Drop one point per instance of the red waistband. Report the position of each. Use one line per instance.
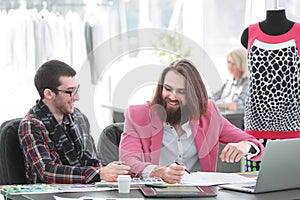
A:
(274, 134)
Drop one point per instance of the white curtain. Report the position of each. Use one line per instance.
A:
(255, 11)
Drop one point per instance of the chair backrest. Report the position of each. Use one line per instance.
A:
(108, 143)
(12, 170)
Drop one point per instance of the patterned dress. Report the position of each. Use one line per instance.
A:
(272, 109)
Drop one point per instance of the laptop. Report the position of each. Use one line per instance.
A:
(280, 169)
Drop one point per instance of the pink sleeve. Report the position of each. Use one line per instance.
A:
(131, 145)
(230, 133)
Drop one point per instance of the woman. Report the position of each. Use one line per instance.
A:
(233, 93)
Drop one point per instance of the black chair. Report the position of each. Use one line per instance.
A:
(12, 170)
(108, 143)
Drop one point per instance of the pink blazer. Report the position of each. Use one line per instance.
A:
(141, 141)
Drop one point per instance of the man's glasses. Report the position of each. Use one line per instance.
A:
(71, 93)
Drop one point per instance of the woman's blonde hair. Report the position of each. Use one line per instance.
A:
(239, 57)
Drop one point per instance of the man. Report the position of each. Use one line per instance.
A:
(55, 136)
(180, 126)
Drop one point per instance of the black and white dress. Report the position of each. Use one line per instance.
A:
(272, 107)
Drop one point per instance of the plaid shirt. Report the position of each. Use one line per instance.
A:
(42, 162)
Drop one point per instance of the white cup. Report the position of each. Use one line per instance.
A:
(124, 183)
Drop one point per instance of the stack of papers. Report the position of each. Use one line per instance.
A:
(214, 178)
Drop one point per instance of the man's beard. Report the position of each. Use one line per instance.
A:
(177, 116)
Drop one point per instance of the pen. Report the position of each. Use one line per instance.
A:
(185, 169)
(130, 171)
(134, 174)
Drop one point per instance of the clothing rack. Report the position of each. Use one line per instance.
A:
(39, 5)
(109, 3)
(7, 5)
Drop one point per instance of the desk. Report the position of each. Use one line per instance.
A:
(222, 194)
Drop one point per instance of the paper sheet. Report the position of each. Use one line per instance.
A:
(214, 178)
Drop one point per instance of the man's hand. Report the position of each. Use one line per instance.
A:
(171, 174)
(233, 152)
(111, 171)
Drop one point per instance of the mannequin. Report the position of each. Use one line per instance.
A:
(275, 23)
(273, 58)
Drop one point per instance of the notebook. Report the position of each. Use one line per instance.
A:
(176, 191)
(279, 170)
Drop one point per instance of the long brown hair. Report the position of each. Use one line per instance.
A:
(196, 95)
